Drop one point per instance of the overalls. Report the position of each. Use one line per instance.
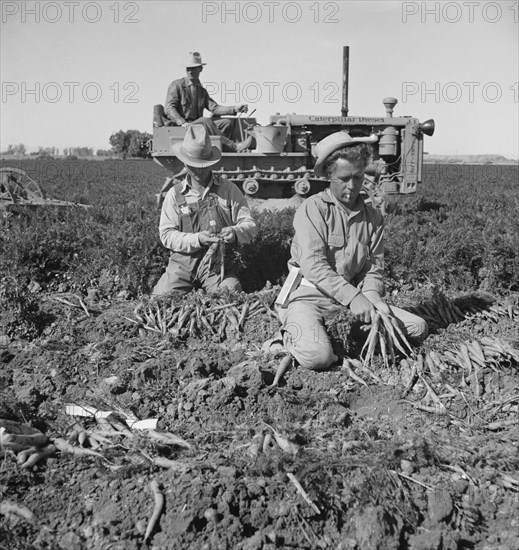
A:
(184, 271)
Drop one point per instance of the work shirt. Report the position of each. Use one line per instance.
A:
(341, 253)
(186, 101)
(233, 207)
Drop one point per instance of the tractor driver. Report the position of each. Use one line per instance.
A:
(187, 99)
(202, 210)
(338, 247)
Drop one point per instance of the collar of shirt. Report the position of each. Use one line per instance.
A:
(358, 207)
(188, 187)
(188, 83)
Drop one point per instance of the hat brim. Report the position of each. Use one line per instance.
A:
(178, 150)
(328, 150)
(195, 65)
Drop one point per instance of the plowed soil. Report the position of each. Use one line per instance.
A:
(355, 466)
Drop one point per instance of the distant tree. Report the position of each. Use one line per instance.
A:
(130, 143)
(78, 151)
(120, 142)
(15, 150)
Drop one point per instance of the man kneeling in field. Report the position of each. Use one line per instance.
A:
(199, 216)
(338, 248)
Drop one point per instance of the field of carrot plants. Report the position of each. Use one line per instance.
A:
(128, 423)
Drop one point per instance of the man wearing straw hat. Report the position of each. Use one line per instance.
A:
(202, 210)
(337, 257)
(187, 99)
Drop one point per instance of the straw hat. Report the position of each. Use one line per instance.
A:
(196, 149)
(194, 59)
(331, 143)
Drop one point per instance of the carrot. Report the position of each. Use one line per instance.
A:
(412, 380)
(82, 437)
(221, 329)
(430, 409)
(397, 329)
(65, 447)
(352, 375)
(267, 441)
(419, 365)
(479, 352)
(477, 385)
(175, 465)
(160, 320)
(360, 365)
(474, 355)
(286, 364)
(432, 394)
(8, 508)
(38, 455)
(464, 354)
(391, 349)
(168, 438)
(284, 444)
(383, 348)
(371, 335)
(430, 364)
(173, 319)
(388, 325)
(184, 317)
(192, 324)
(436, 360)
(232, 319)
(22, 456)
(20, 441)
(243, 316)
(119, 426)
(157, 509)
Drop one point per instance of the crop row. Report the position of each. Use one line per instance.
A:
(462, 235)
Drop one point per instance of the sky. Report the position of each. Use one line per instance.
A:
(74, 72)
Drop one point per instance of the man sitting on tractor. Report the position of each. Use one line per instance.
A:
(187, 99)
(200, 215)
(338, 255)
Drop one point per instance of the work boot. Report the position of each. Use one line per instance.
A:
(236, 146)
(243, 145)
(228, 145)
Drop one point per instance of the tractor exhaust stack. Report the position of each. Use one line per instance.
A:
(345, 76)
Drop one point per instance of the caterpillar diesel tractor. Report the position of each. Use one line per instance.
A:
(281, 163)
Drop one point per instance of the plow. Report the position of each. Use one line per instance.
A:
(19, 190)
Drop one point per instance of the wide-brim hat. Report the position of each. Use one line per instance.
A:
(331, 143)
(194, 59)
(196, 149)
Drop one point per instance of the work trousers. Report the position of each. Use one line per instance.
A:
(304, 334)
(218, 127)
(179, 278)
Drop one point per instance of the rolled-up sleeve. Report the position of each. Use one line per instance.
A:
(170, 236)
(309, 252)
(244, 225)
